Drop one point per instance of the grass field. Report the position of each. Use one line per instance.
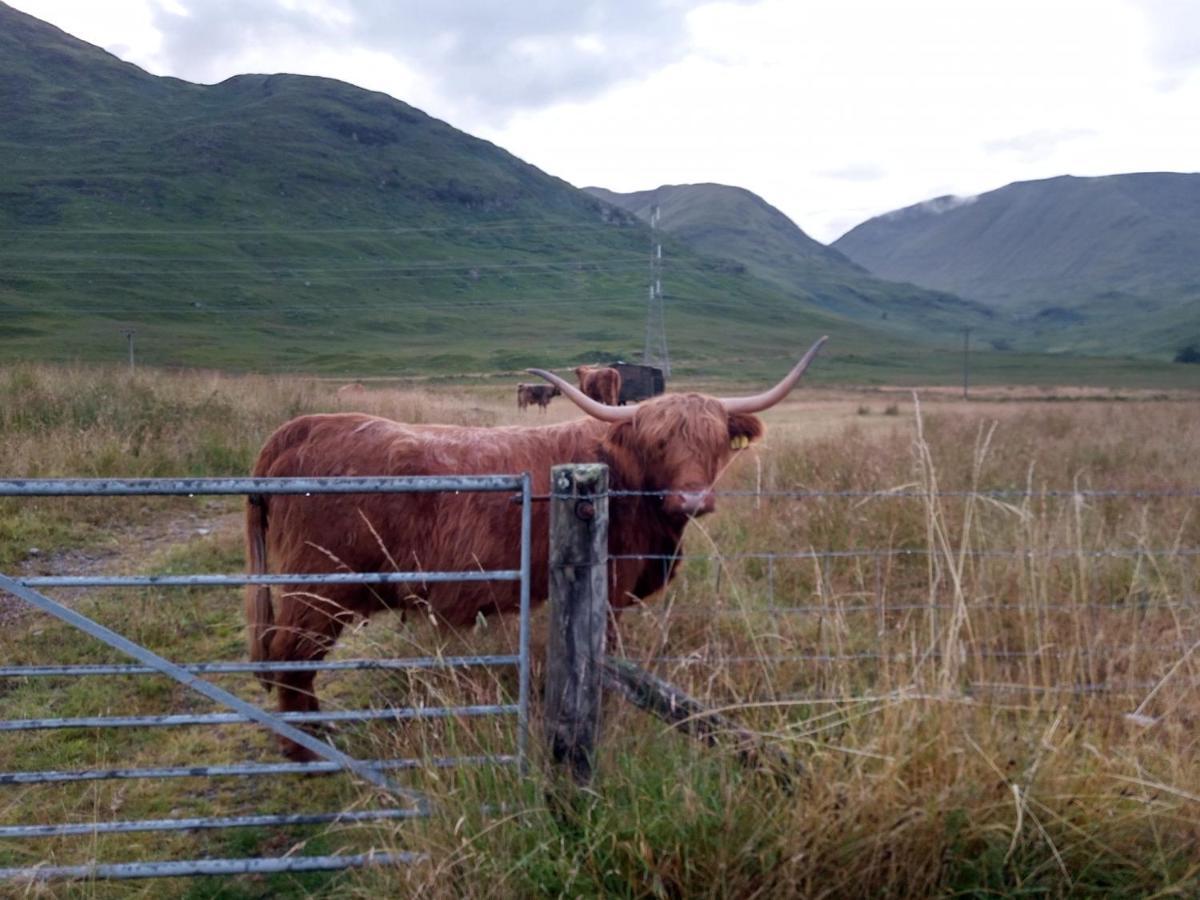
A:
(959, 689)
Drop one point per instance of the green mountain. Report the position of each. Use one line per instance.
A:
(1100, 265)
(281, 222)
(731, 222)
(289, 222)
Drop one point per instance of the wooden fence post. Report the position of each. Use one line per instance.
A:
(578, 613)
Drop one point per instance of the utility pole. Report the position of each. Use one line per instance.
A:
(129, 333)
(655, 352)
(966, 361)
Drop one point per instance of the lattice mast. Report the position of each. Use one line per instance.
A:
(655, 352)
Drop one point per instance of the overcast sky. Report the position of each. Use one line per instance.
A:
(832, 110)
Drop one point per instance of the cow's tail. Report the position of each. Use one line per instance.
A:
(260, 615)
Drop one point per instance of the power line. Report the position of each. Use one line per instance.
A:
(392, 270)
(533, 224)
(407, 305)
(655, 352)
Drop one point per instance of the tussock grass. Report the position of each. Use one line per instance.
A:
(960, 696)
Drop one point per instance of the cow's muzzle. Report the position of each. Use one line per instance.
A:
(690, 503)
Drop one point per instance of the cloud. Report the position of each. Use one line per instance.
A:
(862, 171)
(1034, 145)
(1174, 27)
(490, 58)
(934, 207)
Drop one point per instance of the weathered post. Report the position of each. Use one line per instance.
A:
(578, 613)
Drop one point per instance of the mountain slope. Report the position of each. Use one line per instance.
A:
(290, 222)
(281, 222)
(1110, 264)
(731, 222)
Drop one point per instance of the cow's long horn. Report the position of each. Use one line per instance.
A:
(593, 408)
(770, 397)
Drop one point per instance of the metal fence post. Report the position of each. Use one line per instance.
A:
(578, 613)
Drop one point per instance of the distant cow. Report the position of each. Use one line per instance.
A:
(537, 394)
(665, 455)
(600, 383)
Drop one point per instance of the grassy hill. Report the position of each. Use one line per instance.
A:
(290, 223)
(1083, 264)
(731, 222)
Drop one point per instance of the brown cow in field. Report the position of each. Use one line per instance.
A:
(537, 394)
(672, 447)
(600, 383)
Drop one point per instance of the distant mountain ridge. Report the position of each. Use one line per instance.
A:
(736, 224)
(291, 223)
(1105, 264)
(285, 221)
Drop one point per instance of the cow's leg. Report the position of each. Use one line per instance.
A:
(306, 629)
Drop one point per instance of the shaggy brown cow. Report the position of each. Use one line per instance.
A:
(672, 447)
(600, 383)
(537, 394)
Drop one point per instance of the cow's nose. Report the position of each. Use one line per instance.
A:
(696, 503)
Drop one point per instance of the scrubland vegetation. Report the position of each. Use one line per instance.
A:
(992, 694)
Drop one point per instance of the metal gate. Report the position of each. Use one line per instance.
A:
(373, 771)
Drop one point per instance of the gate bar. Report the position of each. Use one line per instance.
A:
(226, 580)
(117, 487)
(223, 668)
(523, 627)
(125, 827)
(220, 695)
(397, 714)
(246, 769)
(190, 867)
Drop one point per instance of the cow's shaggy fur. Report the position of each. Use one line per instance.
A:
(600, 383)
(676, 445)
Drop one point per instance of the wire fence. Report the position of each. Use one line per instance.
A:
(1091, 608)
(987, 618)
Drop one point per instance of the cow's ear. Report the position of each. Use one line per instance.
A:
(743, 430)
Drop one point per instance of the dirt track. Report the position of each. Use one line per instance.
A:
(125, 552)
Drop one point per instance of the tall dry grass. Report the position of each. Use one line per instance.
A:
(991, 694)
(97, 422)
(999, 699)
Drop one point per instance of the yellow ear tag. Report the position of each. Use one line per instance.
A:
(740, 442)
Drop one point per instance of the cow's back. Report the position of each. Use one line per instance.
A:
(441, 531)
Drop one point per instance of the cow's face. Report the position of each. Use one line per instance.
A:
(677, 446)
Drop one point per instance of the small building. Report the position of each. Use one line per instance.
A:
(639, 382)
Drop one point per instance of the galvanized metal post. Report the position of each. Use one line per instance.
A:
(578, 614)
(523, 626)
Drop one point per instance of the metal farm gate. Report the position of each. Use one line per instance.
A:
(373, 771)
